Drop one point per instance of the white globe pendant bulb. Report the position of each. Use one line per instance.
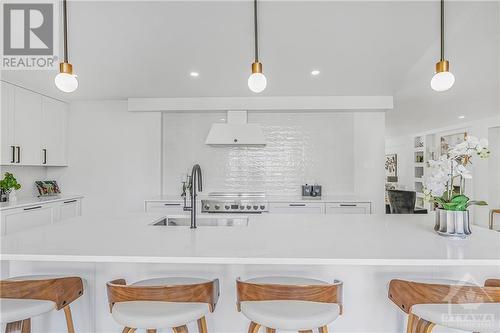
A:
(442, 81)
(257, 82)
(66, 82)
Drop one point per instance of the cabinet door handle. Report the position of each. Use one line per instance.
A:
(296, 205)
(31, 208)
(18, 154)
(44, 156)
(69, 201)
(348, 205)
(13, 154)
(172, 204)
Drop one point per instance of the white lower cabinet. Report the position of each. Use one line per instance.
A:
(69, 209)
(348, 208)
(14, 220)
(297, 207)
(167, 207)
(19, 219)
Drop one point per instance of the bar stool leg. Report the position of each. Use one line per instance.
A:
(270, 330)
(151, 331)
(253, 328)
(306, 331)
(129, 330)
(69, 319)
(202, 325)
(181, 329)
(423, 326)
(26, 326)
(411, 322)
(323, 329)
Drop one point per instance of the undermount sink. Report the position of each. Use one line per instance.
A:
(203, 222)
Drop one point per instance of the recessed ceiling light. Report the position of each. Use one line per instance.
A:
(461, 117)
(194, 74)
(315, 72)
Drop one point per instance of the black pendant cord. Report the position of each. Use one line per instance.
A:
(256, 33)
(65, 31)
(442, 30)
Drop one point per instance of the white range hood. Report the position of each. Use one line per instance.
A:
(235, 132)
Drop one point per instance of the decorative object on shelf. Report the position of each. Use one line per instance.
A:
(66, 81)
(8, 186)
(311, 191)
(443, 79)
(450, 141)
(47, 188)
(445, 186)
(257, 82)
(391, 167)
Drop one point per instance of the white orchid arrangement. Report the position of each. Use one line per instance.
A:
(440, 186)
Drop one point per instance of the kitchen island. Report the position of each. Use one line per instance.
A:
(364, 251)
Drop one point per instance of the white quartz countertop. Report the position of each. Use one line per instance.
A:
(31, 201)
(269, 239)
(276, 198)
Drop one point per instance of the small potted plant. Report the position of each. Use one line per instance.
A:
(7, 184)
(445, 186)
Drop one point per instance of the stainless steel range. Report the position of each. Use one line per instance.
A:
(235, 202)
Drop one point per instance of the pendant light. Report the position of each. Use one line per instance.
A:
(443, 79)
(66, 81)
(257, 82)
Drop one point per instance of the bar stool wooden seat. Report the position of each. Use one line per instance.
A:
(160, 303)
(25, 297)
(289, 303)
(455, 305)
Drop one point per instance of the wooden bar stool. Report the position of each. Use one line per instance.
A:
(465, 307)
(25, 297)
(289, 303)
(162, 303)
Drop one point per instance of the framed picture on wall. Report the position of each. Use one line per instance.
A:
(450, 141)
(391, 167)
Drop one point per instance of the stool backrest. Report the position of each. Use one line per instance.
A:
(61, 291)
(405, 294)
(324, 293)
(208, 292)
(402, 202)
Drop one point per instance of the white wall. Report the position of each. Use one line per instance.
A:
(342, 151)
(114, 157)
(403, 147)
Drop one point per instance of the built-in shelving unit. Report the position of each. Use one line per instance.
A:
(422, 152)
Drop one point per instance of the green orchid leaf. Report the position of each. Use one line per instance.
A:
(477, 203)
(459, 199)
(450, 206)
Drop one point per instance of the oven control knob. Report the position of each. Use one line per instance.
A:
(207, 206)
(262, 207)
(255, 207)
(217, 207)
(249, 207)
(226, 207)
(242, 207)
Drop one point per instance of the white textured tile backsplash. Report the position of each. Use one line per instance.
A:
(301, 147)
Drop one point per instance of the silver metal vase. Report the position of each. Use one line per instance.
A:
(452, 223)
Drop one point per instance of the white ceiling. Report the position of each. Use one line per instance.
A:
(123, 49)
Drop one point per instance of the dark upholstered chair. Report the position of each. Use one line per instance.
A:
(402, 202)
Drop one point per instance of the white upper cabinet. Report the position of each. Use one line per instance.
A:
(27, 129)
(53, 136)
(33, 128)
(7, 124)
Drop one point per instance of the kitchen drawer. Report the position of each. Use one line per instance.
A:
(69, 209)
(296, 207)
(14, 220)
(348, 208)
(171, 207)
